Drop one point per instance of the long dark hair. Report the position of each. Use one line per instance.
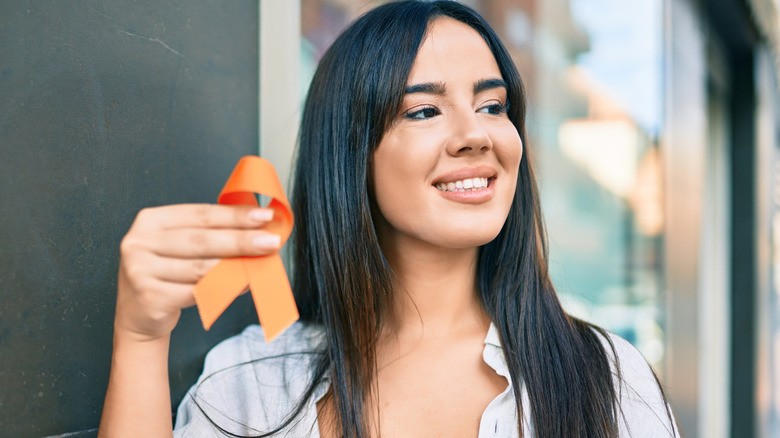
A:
(342, 279)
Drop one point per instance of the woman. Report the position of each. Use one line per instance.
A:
(420, 268)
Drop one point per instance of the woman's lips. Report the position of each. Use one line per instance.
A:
(471, 185)
(471, 195)
(466, 173)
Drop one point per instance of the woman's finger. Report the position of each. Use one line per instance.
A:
(184, 271)
(213, 243)
(203, 216)
(165, 296)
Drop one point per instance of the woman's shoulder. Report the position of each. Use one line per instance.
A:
(624, 355)
(250, 345)
(249, 385)
(642, 406)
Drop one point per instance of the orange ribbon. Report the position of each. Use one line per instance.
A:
(264, 275)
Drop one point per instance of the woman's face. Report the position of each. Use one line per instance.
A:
(446, 169)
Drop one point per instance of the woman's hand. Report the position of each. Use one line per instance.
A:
(168, 249)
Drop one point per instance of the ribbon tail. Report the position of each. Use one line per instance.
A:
(271, 293)
(218, 288)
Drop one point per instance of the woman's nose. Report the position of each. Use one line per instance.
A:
(468, 135)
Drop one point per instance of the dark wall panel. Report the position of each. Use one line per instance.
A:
(106, 107)
(743, 246)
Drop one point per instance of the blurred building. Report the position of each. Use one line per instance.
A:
(654, 129)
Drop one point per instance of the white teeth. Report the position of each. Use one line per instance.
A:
(464, 185)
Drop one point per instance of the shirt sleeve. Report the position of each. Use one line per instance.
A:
(224, 385)
(249, 387)
(642, 410)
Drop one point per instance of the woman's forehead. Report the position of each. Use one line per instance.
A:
(452, 49)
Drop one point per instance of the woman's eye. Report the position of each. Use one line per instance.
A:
(422, 113)
(494, 109)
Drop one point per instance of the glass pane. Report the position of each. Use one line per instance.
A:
(599, 117)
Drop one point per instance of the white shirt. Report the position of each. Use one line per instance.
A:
(249, 387)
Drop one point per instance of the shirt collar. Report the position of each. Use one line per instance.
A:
(493, 354)
(492, 336)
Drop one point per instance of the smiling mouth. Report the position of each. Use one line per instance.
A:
(464, 185)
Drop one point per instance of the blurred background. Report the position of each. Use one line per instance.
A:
(655, 126)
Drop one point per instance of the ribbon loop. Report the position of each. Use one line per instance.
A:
(265, 275)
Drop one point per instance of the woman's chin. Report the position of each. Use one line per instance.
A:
(466, 239)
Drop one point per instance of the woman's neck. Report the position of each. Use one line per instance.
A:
(435, 292)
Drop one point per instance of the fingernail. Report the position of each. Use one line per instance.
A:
(266, 241)
(261, 214)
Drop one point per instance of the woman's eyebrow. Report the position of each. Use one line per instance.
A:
(439, 88)
(489, 84)
(427, 88)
